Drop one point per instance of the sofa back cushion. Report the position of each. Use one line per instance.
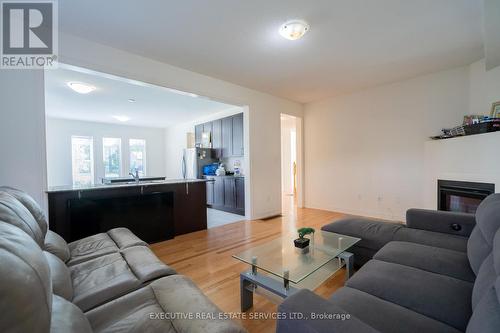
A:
(34, 208)
(13, 212)
(486, 294)
(480, 243)
(60, 276)
(25, 283)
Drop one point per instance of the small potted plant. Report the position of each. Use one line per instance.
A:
(303, 242)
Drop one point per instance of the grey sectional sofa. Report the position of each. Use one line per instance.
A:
(110, 282)
(439, 273)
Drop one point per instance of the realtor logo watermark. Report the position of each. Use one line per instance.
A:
(29, 34)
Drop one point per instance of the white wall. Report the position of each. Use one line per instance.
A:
(22, 131)
(365, 153)
(59, 132)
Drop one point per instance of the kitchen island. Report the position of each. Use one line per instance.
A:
(153, 210)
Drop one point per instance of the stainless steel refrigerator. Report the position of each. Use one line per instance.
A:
(194, 159)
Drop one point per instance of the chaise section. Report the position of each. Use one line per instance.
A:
(374, 235)
(428, 258)
(170, 304)
(386, 316)
(436, 296)
(296, 316)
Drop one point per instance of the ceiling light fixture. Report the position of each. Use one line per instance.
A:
(294, 29)
(122, 118)
(81, 88)
(131, 100)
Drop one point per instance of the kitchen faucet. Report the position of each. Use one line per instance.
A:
(136, 176)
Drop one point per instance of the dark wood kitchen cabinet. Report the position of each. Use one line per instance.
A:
(217, 134)
(228, 193)
(239, 183)
(227, 135)
(237, 135)
(198, 130)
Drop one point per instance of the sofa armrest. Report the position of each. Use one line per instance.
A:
(460, 224)
(307, 312)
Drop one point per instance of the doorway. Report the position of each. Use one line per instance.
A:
(291, 162)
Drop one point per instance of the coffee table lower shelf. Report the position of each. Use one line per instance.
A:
(251, 280)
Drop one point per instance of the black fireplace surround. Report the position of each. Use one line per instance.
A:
(459, 196)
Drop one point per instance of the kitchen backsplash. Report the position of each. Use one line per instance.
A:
(230, 163)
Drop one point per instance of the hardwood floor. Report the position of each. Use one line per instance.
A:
(205, 257)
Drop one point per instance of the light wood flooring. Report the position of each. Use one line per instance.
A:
(205, 257)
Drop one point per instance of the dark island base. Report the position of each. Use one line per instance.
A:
(154, 212)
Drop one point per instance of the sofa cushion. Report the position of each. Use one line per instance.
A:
(124, 238)
(91, 247)
(388, 317)
(101, 280)
(132, 311)
(145, 264)
(56, 245)
(25, 283)
(440, 297)
(480, 242)
(373, 233)
(485, 280)
(431, 238)
(486, 315)
(148, 310)
(428, 258)
(477, 249)
(33, 207)
(67, 318)
(60, 275)
(13, 212)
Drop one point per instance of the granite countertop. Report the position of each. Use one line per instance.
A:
(68, 188)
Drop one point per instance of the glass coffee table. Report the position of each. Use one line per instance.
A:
(281, 269)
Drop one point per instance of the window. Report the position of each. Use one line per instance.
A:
(112, 152)
(82, 155)
(138, 156)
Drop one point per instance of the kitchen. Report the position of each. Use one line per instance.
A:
(127, 153)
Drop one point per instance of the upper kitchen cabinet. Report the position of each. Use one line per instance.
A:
(217, 134)
(237, 149)
(226, 135)
(198, 130)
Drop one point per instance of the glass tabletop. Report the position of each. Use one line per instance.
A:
(280, 255)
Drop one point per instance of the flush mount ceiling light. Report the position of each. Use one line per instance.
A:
(294, 29)
(122, 118)
(131, 100)
(81, 88)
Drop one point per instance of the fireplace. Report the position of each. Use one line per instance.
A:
(458, 196)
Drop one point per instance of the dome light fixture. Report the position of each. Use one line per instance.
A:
(81, 88)
(294, 29)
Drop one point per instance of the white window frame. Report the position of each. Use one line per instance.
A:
(74, 172)
(144, 158)
(120, 165)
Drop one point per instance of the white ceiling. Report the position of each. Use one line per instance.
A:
(154, 107)
(352, 44)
